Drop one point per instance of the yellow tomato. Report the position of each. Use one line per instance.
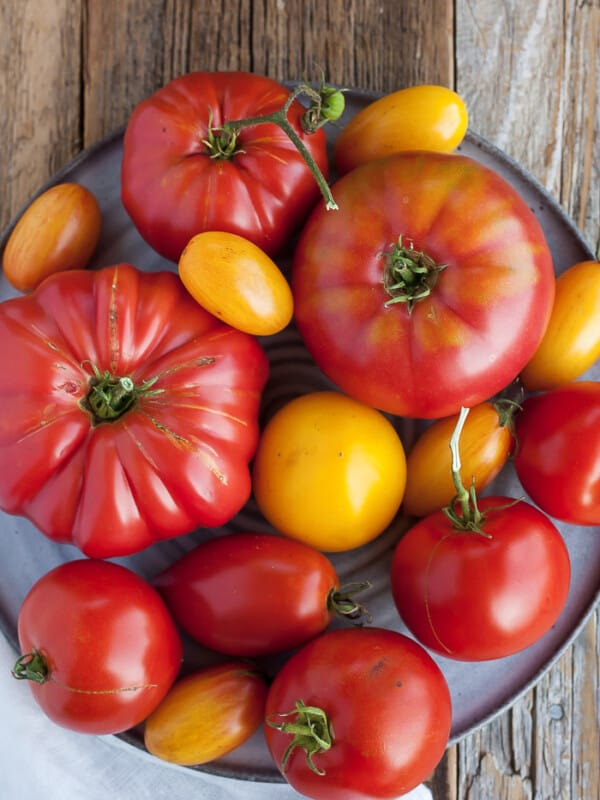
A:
(571, 343)
(485, 444)
(237, 282)
(207, 714)
(329, 471)
(425, 117)
(58, 231)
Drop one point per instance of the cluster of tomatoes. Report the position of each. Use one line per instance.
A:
(422, 286)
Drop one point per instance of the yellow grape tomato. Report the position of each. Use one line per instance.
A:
(237, 282)
(425, 117)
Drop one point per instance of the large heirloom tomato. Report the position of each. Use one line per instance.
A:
(99, 647)
(358, 713)
(179, 177)
(129, 412)
(430, 287)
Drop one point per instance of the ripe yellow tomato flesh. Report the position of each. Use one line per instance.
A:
(237, 282)
(486, 442)
(58, 231)
(426, 117)
(571, 344)
(207, 714)
(329, 471)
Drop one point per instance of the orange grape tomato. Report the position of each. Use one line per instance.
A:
(237, 282)
(485, 444)
(425, 117)
(571, 344)
(58, 231)
(207, 714)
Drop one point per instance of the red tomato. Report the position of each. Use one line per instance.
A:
(558, 457)
(253, 594)
(430, 287)
(104, 645)
(475, 596)
(379, 705)
(174, 185)
(129, 412)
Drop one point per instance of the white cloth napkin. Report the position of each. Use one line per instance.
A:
(41, 759)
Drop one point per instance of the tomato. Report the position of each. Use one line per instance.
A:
(558, 458)
(129, 413)
(207, 714)
(179, 178)
(486, 443)
(329, 471)
(358, 713)
(474, 595)
(253, 594)
(429, 289)
(571, 344)
(99, 647)
(58, 231)
(237, 282)
(424, 117)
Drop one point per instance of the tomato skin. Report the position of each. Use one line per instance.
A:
(250, 594)
(571, 343)
(329, 471)
(558, 458)
(176, 459)
(207, 714)
(473, 598)
(484, 316)
(58, 231)
(112, 649)
(486, 443)
(388, 704)
(424, 117)
(237, 282)
(171, 187)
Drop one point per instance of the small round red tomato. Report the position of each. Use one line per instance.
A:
(429, 289)
(207, 714)
(425, 117)
(558, 457)
(329, 471)
(58, 231)
(486, 443)
(100, 648)
(571, 343)
(358, 713)
(486, 592)
(253, 594)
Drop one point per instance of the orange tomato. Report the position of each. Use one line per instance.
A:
(207, 714)
(426, 117)
(571, 344)
(485, 444)
(237, 282)
(58, 231)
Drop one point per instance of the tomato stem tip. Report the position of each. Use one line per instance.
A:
(311, 731)
(31, 667)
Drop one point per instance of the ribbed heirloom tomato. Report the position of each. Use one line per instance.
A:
(430, 287)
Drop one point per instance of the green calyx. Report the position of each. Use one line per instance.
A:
(110, 396)
(342, 603)
(409, 275)
(31, 667)
(310, 730)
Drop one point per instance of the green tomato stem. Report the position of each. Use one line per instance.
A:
(110, 396)
(342, 603)
(310, 730)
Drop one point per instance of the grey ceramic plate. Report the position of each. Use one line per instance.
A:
(479, 691)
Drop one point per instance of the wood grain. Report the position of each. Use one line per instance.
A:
(72, 70)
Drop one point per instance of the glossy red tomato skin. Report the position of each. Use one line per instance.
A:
(388, 704)
(177, 459)
(470, 597)
(173, 189)
(558, 458)
(250, 594)
(112, 648)
(484, 316)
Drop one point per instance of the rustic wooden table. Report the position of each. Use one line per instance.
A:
(72, 70)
